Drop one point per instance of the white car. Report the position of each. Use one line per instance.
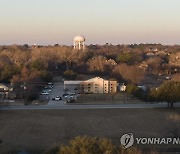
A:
(50, 83)
(44, 93)
(57, 98)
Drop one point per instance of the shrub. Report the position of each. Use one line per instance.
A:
(138, 92)
(90, 145)
(132, 89)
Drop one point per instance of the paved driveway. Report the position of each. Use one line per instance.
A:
(58, 90)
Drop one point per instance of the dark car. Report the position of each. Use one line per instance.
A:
(65, 95)
(48, 87)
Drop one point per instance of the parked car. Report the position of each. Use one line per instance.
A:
(72, 93)
(65, 95)
(168, 78)
(47, 90)
(57, 98)
(48, 87)
(44, 93)
(71, 98)
(50, 83)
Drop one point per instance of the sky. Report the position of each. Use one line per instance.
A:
(47, 22)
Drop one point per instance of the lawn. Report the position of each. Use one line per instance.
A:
(116, 98)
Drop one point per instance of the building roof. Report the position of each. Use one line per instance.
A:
(79, 82)
(72, 82)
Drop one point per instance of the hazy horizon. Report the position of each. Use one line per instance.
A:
(118, 22)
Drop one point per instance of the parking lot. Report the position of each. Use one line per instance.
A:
(57, 90)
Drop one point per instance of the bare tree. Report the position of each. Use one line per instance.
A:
(154, 64)
(97, 64)
(133, 74)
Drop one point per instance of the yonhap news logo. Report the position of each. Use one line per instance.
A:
(127, 140)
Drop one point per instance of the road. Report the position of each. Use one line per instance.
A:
(70, 106)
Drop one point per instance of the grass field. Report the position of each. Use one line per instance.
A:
(34, 130)
(117, 98)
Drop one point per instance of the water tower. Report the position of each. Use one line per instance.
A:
(79, 42)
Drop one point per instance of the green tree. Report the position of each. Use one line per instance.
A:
(46, 76)
(37, 65)
(8, 72)
(124, 57)
(169, 92)
(70, 75)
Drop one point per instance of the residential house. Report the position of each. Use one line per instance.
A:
(144, 65)
(4, 91)
(111, 62)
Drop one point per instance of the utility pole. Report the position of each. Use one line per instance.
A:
(25, 94)
(123, 89)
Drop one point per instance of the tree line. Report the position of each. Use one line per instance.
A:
(25, 63)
